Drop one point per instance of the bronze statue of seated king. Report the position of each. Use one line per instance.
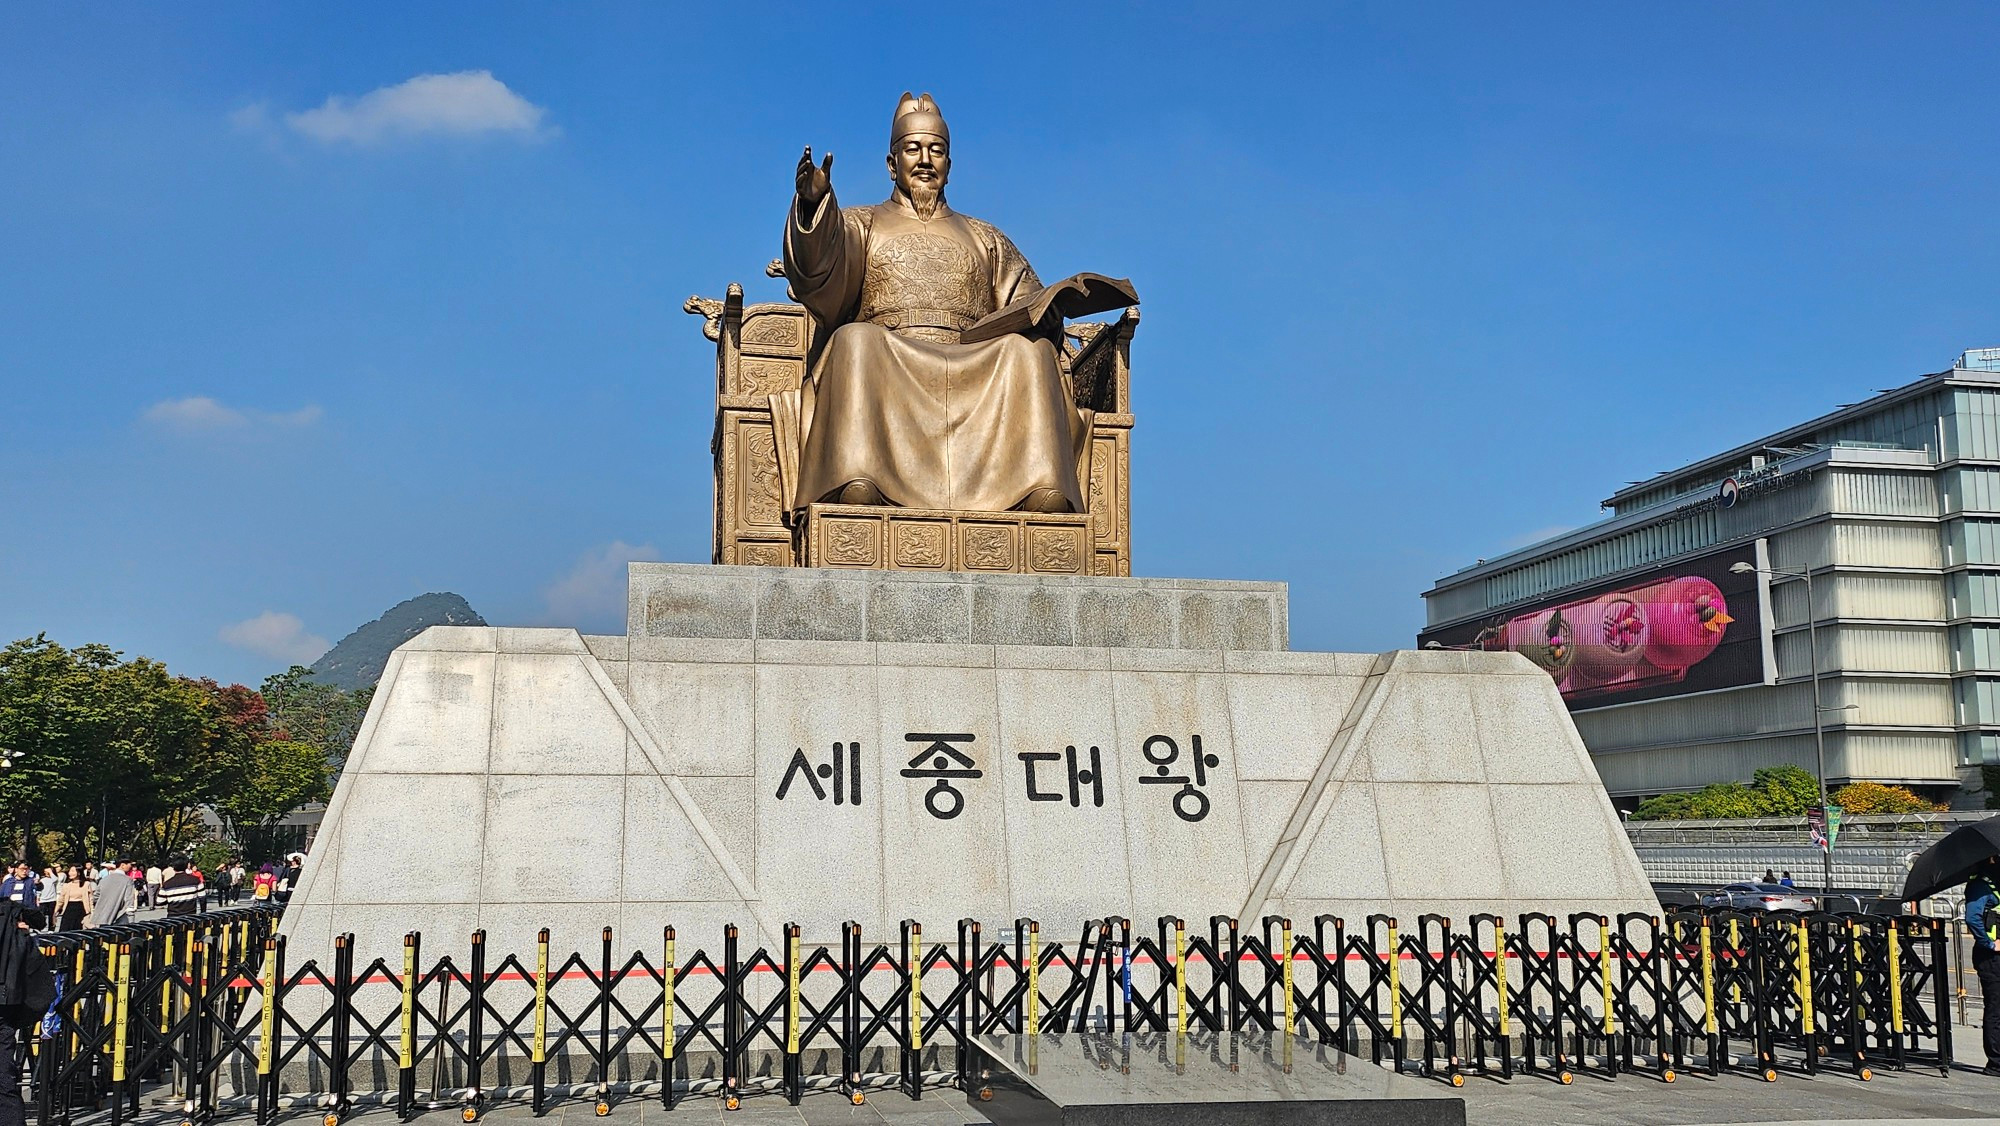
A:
(936, 381)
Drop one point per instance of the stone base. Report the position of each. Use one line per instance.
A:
(831, 604)
(880, 537)
(538, 778)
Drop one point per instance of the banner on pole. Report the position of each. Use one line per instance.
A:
(1825, 826)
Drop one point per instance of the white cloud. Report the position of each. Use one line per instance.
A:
(591, 596)
(253, 118)
(279, 636)
(468, 103)
(200, 413)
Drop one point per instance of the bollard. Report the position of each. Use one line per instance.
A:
(121, 1010)
(1180, 977)
(604, 1028)
(267, 1083)
(794, 1080)
(911, 1053)
(1285, 940)
(1395, 995)
(539, 1053)
(1805, 985)
(1604, 965)
(167, 987)
(1034, 978)
(406, 1049)
(1896, 981)
(343, 1026)
(475, 1030)
(667, 973)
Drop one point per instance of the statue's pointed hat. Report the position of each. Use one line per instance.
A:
(917, 114)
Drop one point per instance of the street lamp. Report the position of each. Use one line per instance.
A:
(1819, 728)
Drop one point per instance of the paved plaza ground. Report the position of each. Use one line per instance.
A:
(1693, 1100)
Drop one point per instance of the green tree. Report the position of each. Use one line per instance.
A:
(1676, 806)
(1774, 791)
(1785, 791)
(279, 776)
(307, 711)
(116, 755)
(1727, 799)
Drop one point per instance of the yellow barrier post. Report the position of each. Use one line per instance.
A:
(1895, 979)
(406, 1053)
(667, 1009)
(1805, 981)
(1285, 932)
(1180, 977)
(1709, 1023)
(1735, 953)
(122, 1006)
(541, 996)
(1034, 980)
(269, 1017)
(1395, 992)
(167, 986)
(1604, 970)
(1500, 972)
(792, 992)
(917, 987)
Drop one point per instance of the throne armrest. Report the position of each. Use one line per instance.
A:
(1099, 357)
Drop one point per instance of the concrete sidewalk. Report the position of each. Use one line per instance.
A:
(1905, 1098)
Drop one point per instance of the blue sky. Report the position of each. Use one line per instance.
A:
(287, 337)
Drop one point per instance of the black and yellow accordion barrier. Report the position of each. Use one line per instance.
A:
(206, 1011)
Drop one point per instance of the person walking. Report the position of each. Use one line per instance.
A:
(46, 889)
(150, 895)
(1785, 880)
(180, 888)
(1982, 918)
(74, 900)
(19, 887)
(117, 899)
(262, 886)
(288, 880)
(1770, 877)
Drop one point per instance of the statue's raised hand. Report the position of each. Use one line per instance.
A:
(814, 180)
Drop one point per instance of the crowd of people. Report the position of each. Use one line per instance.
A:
(83, 896)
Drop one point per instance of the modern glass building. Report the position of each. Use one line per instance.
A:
(1681, 670)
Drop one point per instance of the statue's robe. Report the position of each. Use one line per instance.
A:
(895, 399)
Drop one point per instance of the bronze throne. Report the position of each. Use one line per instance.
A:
(762, 352)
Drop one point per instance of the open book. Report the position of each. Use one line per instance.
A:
(1079, 295)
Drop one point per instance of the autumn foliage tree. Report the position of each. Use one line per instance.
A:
(121, 755)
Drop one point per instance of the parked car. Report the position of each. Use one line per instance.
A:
(1760, 897)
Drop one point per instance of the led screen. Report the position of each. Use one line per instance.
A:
(1692, 626)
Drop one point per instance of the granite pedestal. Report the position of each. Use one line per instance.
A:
(772, 745)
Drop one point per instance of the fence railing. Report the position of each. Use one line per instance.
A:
(211, 1005)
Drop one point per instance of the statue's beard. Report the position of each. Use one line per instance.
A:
(925, 196)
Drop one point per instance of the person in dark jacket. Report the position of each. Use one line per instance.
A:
(180, 890)
(1982, 918)
(27, 989)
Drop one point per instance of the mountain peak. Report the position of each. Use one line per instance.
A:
(358, 660)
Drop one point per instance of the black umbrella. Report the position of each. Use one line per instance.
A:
(1953, 860)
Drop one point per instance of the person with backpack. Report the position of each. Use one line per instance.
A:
(1982, 918)
(263, 885)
